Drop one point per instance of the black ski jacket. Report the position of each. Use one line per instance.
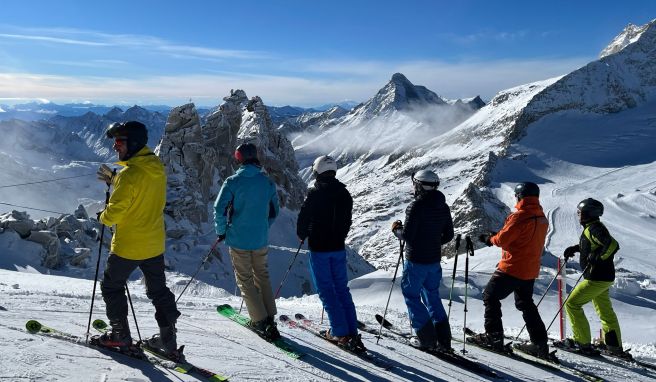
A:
(325, 215)
(427, 227)
(597, 245)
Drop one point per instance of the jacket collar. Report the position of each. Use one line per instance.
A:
(145, 151)
(527, 202)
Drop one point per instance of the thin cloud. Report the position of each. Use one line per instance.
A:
(88, 64)
(57, 40)
(498, 36)
(128, 41)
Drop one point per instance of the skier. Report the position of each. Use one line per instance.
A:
(325, 218)
(136, 209)
(597, 248)
(521, 240)
(428, 226)
(244, 210)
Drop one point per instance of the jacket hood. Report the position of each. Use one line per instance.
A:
(248, 170)
(431, 194)
(329, 181)
(528, 202)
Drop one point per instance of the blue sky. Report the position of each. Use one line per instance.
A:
(293, 52)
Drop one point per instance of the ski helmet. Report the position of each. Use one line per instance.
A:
(133, 132)
(526, 189)
(425, 180)
(246, 153)
(590, 209)
(323, 164)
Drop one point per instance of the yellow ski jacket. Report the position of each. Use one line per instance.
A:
(136, 207)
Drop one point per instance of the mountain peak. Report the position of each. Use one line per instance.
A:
(399, 94)
(399, 78)
(629, 35)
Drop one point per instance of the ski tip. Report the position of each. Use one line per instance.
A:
(361, 325)
(283, 318)
(224, 308)
(99, 324)
(33, 326)
(299, 316)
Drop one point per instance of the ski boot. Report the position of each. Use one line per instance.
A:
(118, 337)
(271, 332)
(443, 332)
(165, 343)
(492, 341)
(426, 338)
(571, 345)
(540, 350)
(339, 340)
(355, 344)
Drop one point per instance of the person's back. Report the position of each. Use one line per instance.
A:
(428, 226)
(328, 219)
(522, 239)
(252, 208)
(137, 207)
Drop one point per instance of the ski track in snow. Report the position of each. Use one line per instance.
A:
(218, 344)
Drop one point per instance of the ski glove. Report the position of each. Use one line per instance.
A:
(571, 251)
(105, 174)
(397, 229)
(485, 238)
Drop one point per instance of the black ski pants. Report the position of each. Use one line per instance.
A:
(500, 286)
(116, 275)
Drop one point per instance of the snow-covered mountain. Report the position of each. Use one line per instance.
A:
(379, 146)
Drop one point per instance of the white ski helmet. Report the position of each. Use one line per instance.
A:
(324, 163)
(427, 179)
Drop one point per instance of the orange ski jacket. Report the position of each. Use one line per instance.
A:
(522, 240)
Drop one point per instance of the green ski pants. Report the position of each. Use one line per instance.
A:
(597, 292)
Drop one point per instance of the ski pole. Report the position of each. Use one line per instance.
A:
(127, 291)
(396, 269)
(289, 269)
(544, 294)
(453, 277)
(567, 298)
(199, 267)
(95, 278)
(469, 252)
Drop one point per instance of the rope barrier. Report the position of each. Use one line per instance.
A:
(36, 209)
(46, 181)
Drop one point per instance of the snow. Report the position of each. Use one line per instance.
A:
(216, 343)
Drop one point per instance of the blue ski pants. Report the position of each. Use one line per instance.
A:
(420, 285)
(328, 271)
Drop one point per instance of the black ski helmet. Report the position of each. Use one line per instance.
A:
(590, 209)
(525, 189)
(134, 133)
(246, 153)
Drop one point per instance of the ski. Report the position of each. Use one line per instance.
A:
(309, 326)
(284, 346)
(446, 356)
(552, 365)
(392, 329)
(182, 367)
(35, 327)
(625, 360)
